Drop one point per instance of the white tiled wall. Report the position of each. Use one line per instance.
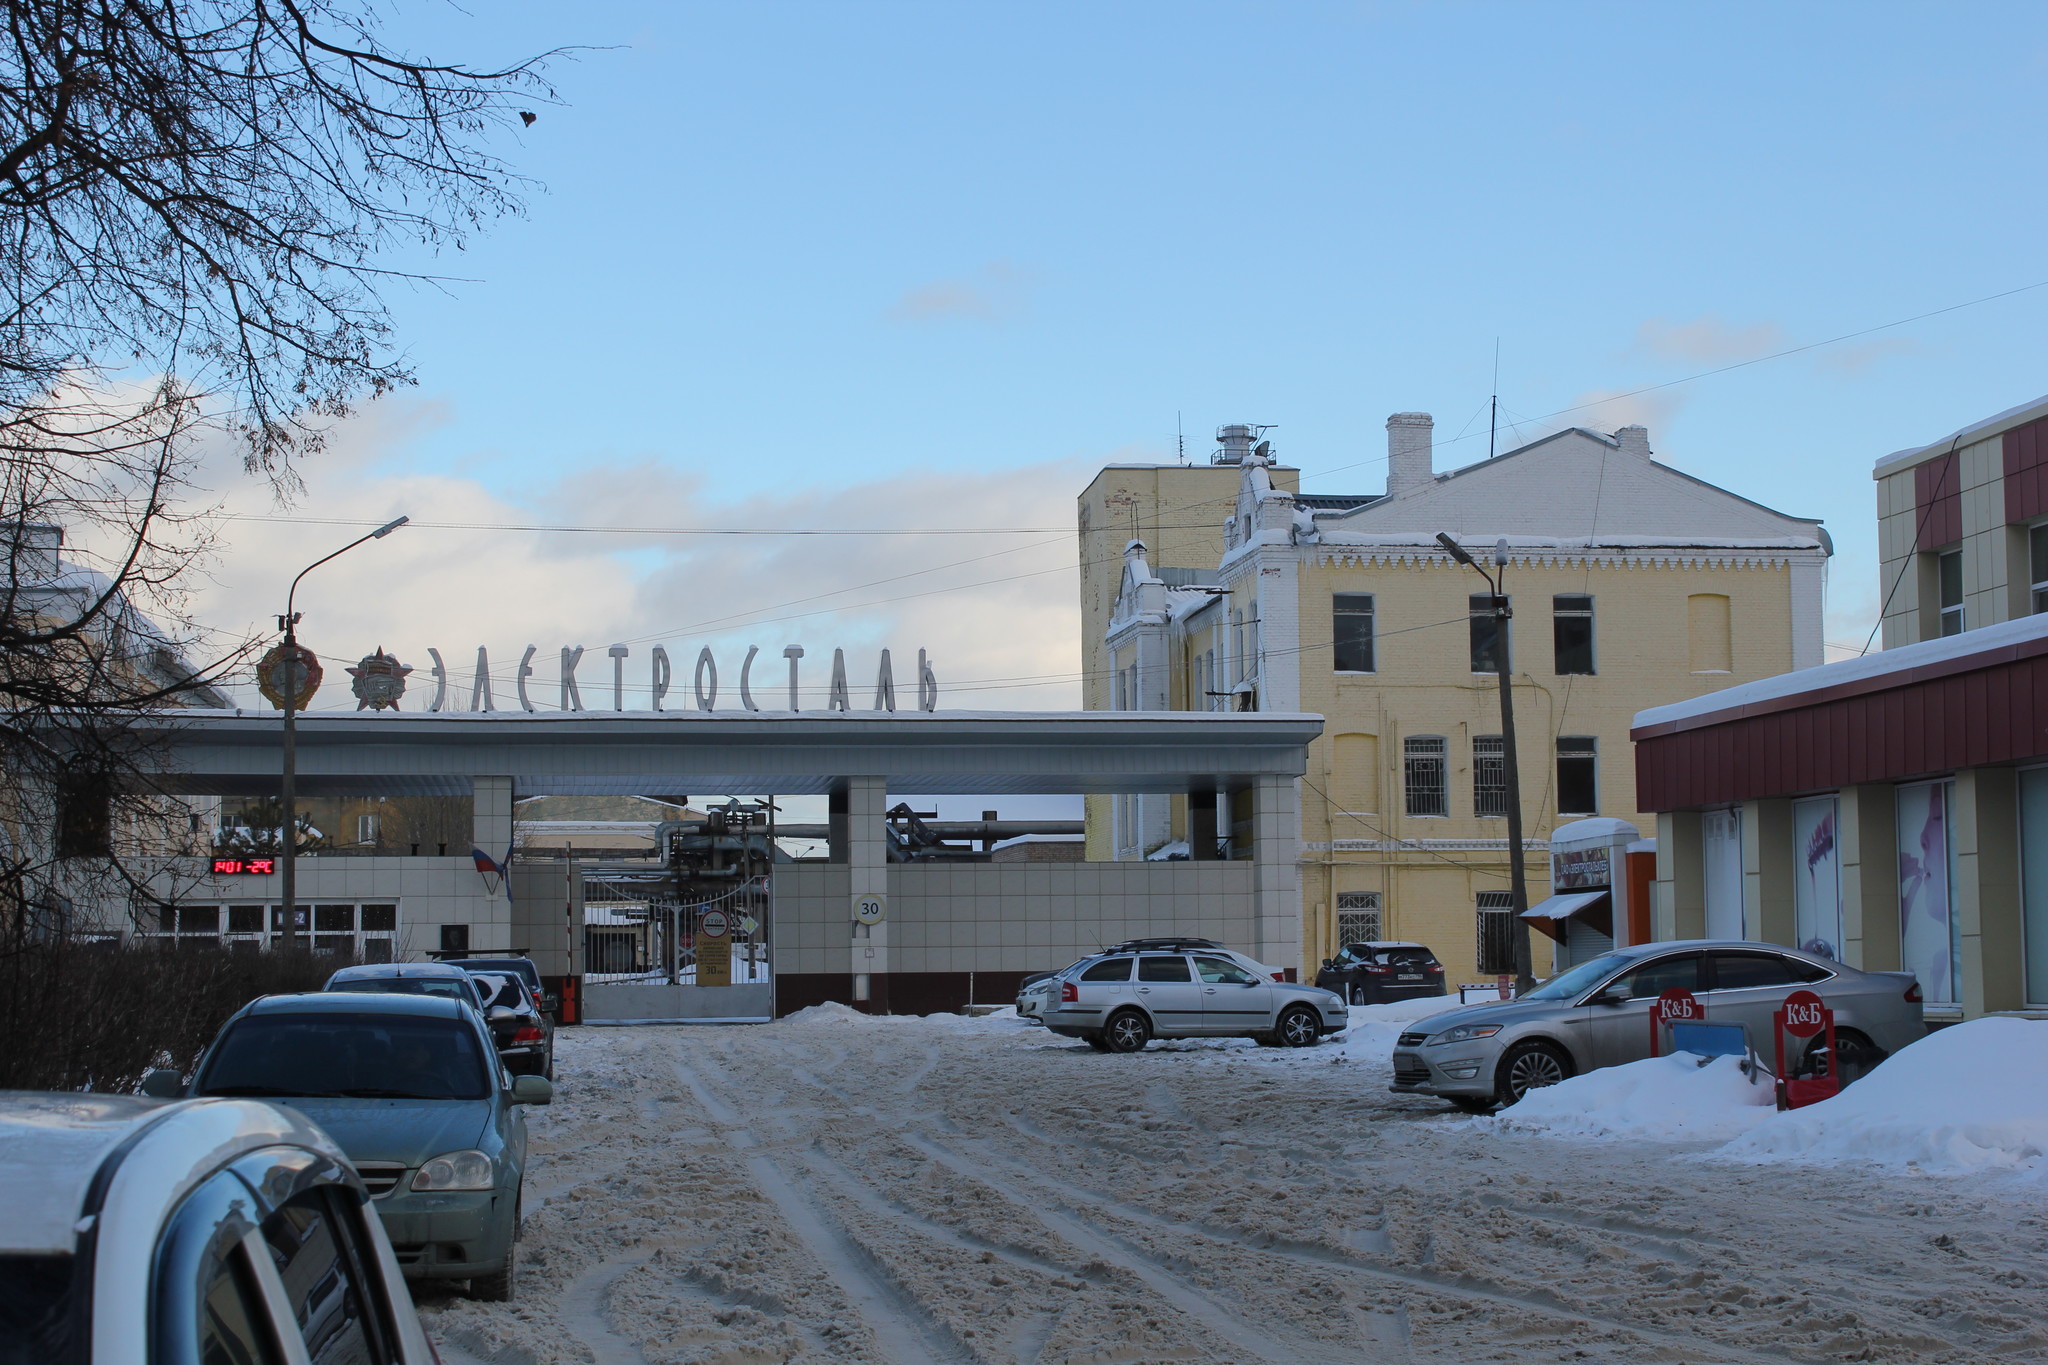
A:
(1009, 916)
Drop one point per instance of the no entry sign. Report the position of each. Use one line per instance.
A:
(714, 924)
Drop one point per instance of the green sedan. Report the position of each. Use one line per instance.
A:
(411, 1089)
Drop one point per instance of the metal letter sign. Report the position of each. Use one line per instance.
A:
(871, 908)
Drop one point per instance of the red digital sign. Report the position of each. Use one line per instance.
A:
(244, 867)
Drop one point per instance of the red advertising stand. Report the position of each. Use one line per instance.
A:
(1675, 1005)
(1803, 1015)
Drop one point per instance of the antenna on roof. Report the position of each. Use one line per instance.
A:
(1493, 423)
(1180, 438)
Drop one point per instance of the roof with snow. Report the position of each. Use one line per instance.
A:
(1991, 426)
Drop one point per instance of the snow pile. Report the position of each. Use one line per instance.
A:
(1972, 1098)
(830, 1012)
(1382, 1024)
(1668, 1099)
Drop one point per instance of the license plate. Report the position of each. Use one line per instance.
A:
(1409, 976)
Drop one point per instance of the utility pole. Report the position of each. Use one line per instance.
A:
(294, 679)
(1511, 772)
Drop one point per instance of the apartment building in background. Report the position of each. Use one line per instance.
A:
(1631, 583)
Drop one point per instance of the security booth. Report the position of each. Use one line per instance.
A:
(1588, 882)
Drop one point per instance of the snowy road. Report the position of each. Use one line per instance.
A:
(933, 1192)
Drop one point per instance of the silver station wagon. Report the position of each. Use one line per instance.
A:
(1121, 1001)
(1598, 1014)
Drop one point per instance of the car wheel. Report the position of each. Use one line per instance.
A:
(1471, 1104)
(1096, 1041)
(497, 1286)
(1529, 1066)
(1126, 1031)
(1299, 1027)
(1859, 1056)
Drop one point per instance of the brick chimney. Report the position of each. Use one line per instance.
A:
(1634, 441)
(1409, 457)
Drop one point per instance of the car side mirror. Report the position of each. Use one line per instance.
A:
(532, 1090)
(163, 1083)
(1613, 995)
(502, 1014)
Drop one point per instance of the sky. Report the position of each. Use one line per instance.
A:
(925, 266)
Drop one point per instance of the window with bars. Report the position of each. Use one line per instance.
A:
(1489, 775)
(1487, 630)
(1351, 632)
(1497, 931)
(1423, 768)
(1358, 917)
(1572, 632)
(1578, 775)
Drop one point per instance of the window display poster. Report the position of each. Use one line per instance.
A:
(1817, 896)
(1926, 927)
(2034, 879)
(1721, 860)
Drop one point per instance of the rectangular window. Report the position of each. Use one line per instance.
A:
(1489, 776)
(1486, 631)
(1358, 917)
(1950, 567)
(2037, 564)
(366, 829)
(1817, 879)
(1428, 793)
(1497, 929)
(1578, 775)
(1930, 936)
(1721, 872)
(1351, 632)
(1572, 632)
(2034, 881)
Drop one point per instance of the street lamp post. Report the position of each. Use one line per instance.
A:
(1518, 880)
(288, 785)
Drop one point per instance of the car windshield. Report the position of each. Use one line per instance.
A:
(1572, 984)
(440, 987)
(35, 1309)
(359, 1056)
(504, 990)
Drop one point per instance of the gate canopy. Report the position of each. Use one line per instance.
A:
(237, 753)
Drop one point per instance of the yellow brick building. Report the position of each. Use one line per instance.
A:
(1632, 585)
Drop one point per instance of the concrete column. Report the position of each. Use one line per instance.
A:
(866, 844)
(1202, 826)
(1767, 870)
(1867, 832)
(492, 816)
(1276, 873)
(1987, 890)
(1678, 905)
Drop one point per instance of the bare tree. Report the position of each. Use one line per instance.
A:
(200, 204)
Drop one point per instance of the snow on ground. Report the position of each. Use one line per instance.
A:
(1967, 1099)
(1663, 1099)
(948, 1191)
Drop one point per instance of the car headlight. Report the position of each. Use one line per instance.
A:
(470, 1170)
(1463, 1033)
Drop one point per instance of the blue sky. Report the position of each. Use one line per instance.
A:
(846, 263)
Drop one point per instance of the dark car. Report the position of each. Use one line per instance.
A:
(521, 967)
(526, 1042)
(1375, 973)
(408, 1086)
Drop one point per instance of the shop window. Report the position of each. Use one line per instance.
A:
(1578, 775)
(1817, 877)
(1489, 776)
(1487, 643)
(1351, 632)
(1572, 632)
(2034, 881)
(1709, 633)
(1721, 872)
(1358, 917)
(1930, 940)
(2037, 566)
(1423, 763)
(1949, 575)
(1497, 932)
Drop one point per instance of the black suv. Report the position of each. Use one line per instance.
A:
(1374, 973)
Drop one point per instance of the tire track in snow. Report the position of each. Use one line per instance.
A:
(903, 1333)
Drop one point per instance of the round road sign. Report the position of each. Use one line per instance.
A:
(714, 924)
(1805, 1014)
(870, 908)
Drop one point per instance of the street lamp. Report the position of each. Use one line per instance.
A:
(1518, 881)
(288, 788)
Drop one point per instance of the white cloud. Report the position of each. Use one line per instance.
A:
(993, 293)
(1708, 339)
(987, 606)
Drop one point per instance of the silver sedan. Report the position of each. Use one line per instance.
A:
(1121, 1001)
(1598, 1014)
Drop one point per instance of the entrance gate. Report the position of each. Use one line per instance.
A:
(651, 956)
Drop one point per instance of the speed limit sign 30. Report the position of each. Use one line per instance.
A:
(870, 908)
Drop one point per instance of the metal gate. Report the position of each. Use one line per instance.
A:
(691, 943)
